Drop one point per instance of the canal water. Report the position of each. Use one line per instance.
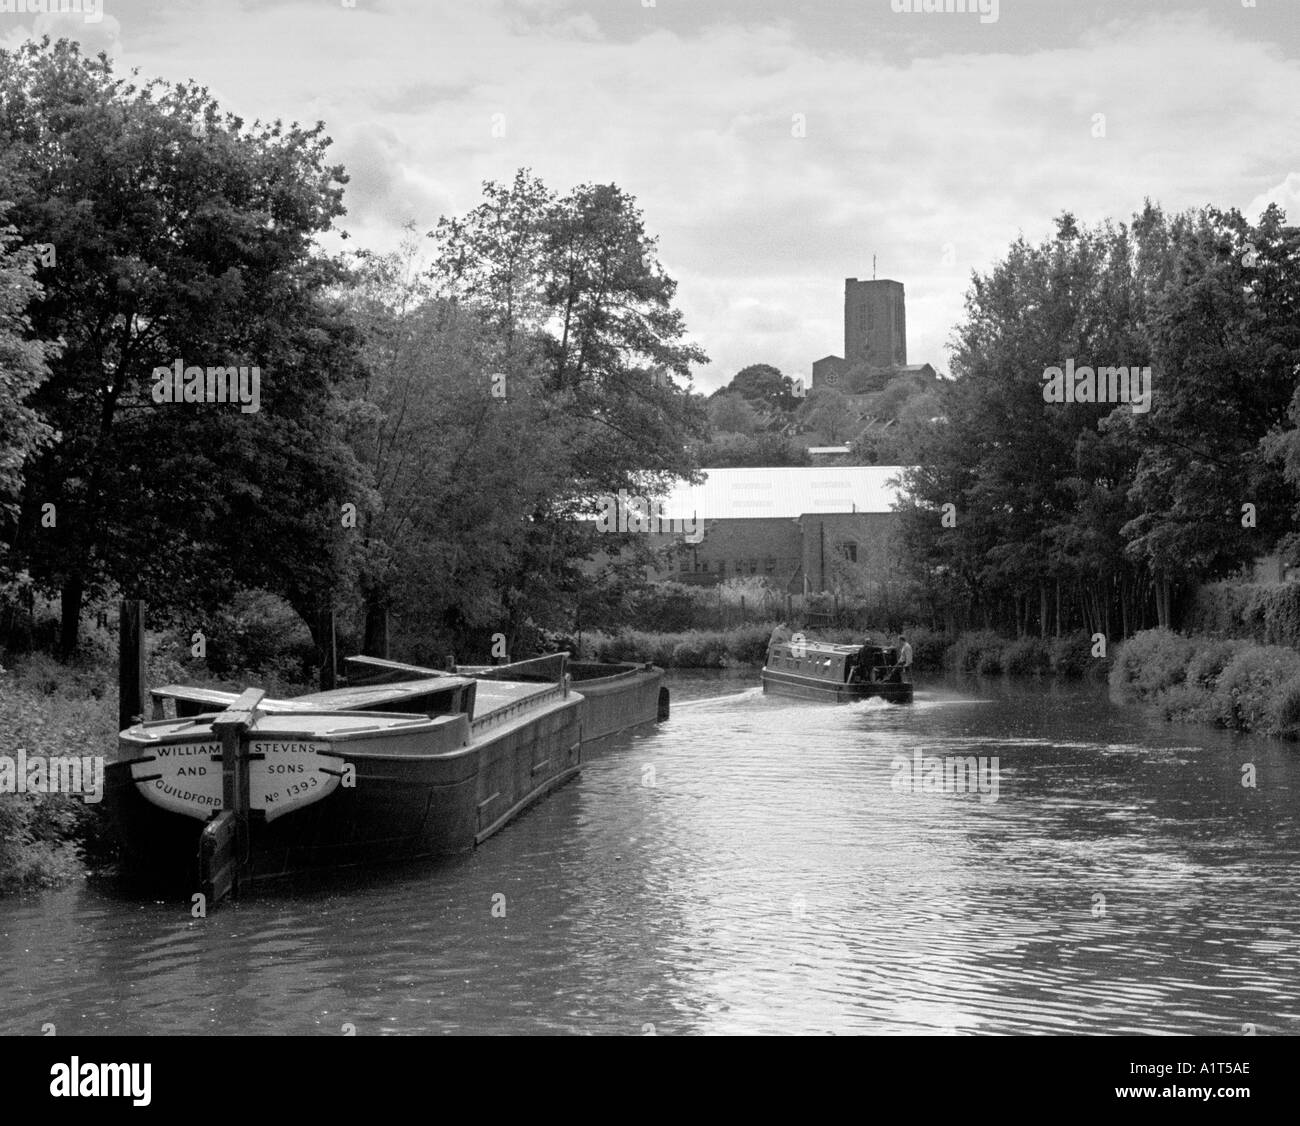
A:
(757, 865)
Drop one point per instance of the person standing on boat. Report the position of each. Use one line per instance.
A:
(904, 658)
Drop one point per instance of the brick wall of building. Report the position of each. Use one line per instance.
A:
(845, 550)
(770, 547)
(836, 550)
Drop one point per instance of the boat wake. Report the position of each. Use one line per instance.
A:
(872, 704)
(730, 698)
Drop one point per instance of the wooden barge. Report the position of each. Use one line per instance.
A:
(404, 762)
(838, 674)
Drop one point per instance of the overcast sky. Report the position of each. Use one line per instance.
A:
(929, 139)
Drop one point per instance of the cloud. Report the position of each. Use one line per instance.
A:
(928, 141)
(386, 187)
(1286, 195)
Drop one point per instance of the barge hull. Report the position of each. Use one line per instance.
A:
(402, 807)
(786, 684)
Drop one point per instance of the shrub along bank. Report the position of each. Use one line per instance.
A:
(1232, 683)
(50, 709)
(981, 653)
(738, 647)
(986, 654)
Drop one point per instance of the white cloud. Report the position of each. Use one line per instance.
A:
(909, 151)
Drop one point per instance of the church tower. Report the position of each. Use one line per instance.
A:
(875, 323)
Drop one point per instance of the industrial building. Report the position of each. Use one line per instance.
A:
(805, 530)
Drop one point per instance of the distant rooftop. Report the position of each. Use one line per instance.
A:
(785, 492)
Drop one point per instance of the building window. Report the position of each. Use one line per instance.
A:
(685, 564)
(850, 551)
(769, 566)
(753, 566)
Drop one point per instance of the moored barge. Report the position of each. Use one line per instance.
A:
(404, 762)
(838, 674)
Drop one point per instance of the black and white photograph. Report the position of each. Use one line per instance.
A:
(730, 519)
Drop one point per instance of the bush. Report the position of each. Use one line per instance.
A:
(259, 632)
(928, 648)
(1286, 710)
(1071, 654)
(1185, 703)
(966, 655)
(668, 606)
(34, 847)
(687, 654)
(50, 709)
(1249, 688)
(1029, 657)
(749, 646)
(1149, 663)
(990, 661)
(1209, 661)
(694, 649)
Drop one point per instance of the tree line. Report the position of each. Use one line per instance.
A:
(430, 420)
(1034, 515)
(433, 420)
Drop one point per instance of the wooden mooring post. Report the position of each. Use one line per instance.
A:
(132, 689)
(224, 848)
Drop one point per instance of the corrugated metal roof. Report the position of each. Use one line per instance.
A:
(730, 494)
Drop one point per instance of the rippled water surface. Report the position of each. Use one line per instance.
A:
(749, 867)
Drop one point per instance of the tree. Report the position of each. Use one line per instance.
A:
(731, 414)
(180, 235)
(764, 386)
(1026, 509)
(464, 446)
(829, 412)
(23, 368)
(756, 450)
(1225, 345)
(600, 348)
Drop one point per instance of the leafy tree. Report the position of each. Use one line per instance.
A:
(179, 234)
(23, 368)
(765, 386)
(1094, 512)
(731, 414)
(756, 450)
(599, 348)
(830, 412)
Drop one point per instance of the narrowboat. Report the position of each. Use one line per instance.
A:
(404, 762)
(818, 670)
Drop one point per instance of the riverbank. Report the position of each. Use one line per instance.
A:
(738, 647)
(1232, 683)
(50, 711)
(980, 653)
